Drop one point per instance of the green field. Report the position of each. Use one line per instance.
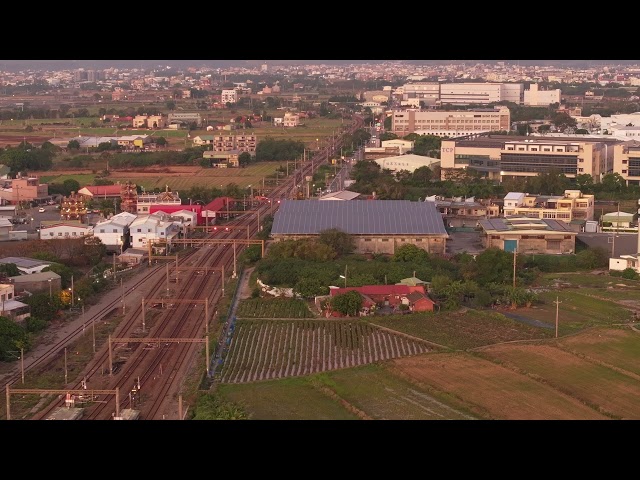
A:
(371, 390)
(459, 330)
(615, 347)
(577, 310)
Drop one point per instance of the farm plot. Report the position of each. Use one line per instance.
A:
(606, 390)
(463, 329)
(616, 348)
(382, 395)
(262, 350)
(273, 308)
(491, 391)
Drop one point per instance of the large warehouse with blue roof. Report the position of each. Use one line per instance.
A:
(378, 226)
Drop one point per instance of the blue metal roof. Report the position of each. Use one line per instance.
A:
(368, 217)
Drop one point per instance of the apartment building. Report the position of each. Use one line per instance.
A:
(242, 143)
(498, 157)
(572, 205)
(27, 189)
(229, 96)
(450, 123)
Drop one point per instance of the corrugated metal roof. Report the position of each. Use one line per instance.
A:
(366, 217)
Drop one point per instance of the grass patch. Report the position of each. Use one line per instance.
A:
(83, 179)
(463, 329)
(285, 399)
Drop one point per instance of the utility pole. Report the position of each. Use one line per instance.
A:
(22, 362)
(514, 266)
(65, 365)
(557, 302)
(93, 330)
(122, 289)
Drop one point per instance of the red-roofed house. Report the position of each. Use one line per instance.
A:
(101, 191)
(390, 296)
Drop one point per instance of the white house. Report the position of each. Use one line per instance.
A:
(112, 232)
(514, 199)
(291, 119)
(186, 217)
(63, 230)
(624, 262)
(151, 228)
(5, 228)
(9, 306)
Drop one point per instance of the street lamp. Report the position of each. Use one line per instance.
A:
(50, 294)
(344, 276)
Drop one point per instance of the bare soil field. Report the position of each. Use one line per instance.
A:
(490, 390)
(612, 391)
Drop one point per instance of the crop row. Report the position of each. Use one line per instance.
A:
(262, 350)
(273, 308)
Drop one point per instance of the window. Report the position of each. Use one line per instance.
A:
(115, 230)
(139, 230)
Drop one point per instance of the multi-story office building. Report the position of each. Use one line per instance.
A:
(450, 123)
(435, 93)
(481, 93)
(499, 156)
(626, 161)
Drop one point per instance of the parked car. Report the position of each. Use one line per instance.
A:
(41, 210)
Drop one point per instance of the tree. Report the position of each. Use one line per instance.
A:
(341, 242)
(244, 159)
(9, 269)
(70, 185)
(562, 121)
(348, 303)
(170, 104)
(43, 307)
(161, 141)
(309, 287)
(73, 145)
(410, 253)
(12, 337)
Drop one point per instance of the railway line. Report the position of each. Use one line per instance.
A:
(154, 370)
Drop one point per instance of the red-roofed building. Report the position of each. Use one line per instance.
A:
(101, 191)
(216, 208)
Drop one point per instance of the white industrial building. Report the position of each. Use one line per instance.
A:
(63, 230)
(408, 162)
(536, 97)
(403, 146)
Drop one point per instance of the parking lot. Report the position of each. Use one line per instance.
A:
(33, 217)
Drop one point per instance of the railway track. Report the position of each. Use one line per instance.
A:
(143, 371)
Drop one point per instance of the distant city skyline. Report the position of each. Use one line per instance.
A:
(50, 64)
